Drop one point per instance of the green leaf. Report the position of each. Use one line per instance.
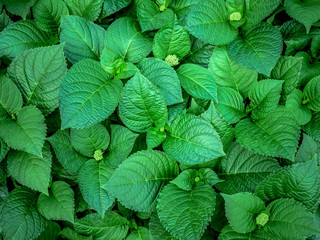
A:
(256, 11)
(186, 214)
(208, 19)
(59, 204)
(192, 140)
(51, 231)
(27, 133)
(93, 178)
(68, 233)
(141, 233)
(197, 81)
(86, 141)
(157, 231)
(164, 77)
(40, 87)
(112, 6)
(87, 95)
(10, 96)
(4, 149)
(88, 9)
(301, 112)
(67, 156)
(186, 179)
(150, 17)
(313, 127)
(289, 219)
(242, 209)
(30, 170)
(138, 180)
(112, 226)
(22, 35)
(181, 8)
(309, 69)
(264, 97)
(171, 39)
(142, 105)
(4, 20)
(311, 94)
(83, 38)
(121, 144)
(259, 48)
(230, 105)
(155, 137)
(300, 181)
(276, 135)
(306, 12)
(229, 73)
(259, 234)
(20, 218)
(19, 7)
(125, 38)
(308, 149)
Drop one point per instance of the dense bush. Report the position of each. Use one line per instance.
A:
(160, 120)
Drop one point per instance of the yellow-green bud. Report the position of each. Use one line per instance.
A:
(98, 155)
(235, 16)
(196, 179)
(172, 60)
(262, 219)
(162, 8)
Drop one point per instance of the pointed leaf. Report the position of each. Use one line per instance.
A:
(10, 96)
(88, 9)
(311, 94)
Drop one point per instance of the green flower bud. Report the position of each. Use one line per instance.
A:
(162, 8)
(262, 219)
(235, 16)
(197, 179)
(172, 60)
(98, 155)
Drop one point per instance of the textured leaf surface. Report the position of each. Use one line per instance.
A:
(93, 178)
(141, 233)
(186, 214)
(157, 231)
(200, 53)
(88, 9)
(313, 127)
(10, 96)
(229, 234)
(301, 112)
(87, 95)
(311, 94)
(308, 149)
(192, 140)
(112, 6)
(19, 7)
(59, 205)
(4, 149)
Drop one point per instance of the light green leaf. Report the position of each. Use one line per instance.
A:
(59, 205)
(192, 140)
(51, 231)
(93, 178)
(197, 81)
(172, 39)
(88, 9)
(164, 77)
(122, 141)
(276, 135)
(300, 181)
(20, 218)
(311, 94)
(306, 12)
(112, 6)
(308, 149)
(142, 105)
(155, 137)
(186, 179)
(259, 48)
(313, 127)
(157, 231)
(125, 38)
(230, 105)
(138, 180)
(112, 226)
(67, 156)
(186, 214)
(10, 96)
(141, 233)
(19, 7)
(26, 133)
(242, 209)
(87, 95)
(30, 170)
(39, 73)
(83, 38)
(264, 97)
(208, 19)
(301, 112)
(229, 234)
(23, 35)
(243, 170)
(229, 73)
(86, 141)
(290, 219)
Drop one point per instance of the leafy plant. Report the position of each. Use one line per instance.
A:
(159, 119)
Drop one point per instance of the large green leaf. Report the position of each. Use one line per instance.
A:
(141, 233)
(93, 178)
(229, 73)
(229, 234)
(311, 94)
(142, 105)
(19, 7)
(200, 53)
(308, 149)
(243, 170)
(197, 81)
(10, 96)
(70, 234)
(39, 73)
(300, 181)
(88, 9)
(51, 231)
(259, 48)
(22, 35)
(26, 133)
(59, 204)
(164, 77)
(20, 218)
(301, 112)
(87, 95)
(137, 181)
(157, 231)
(112, 6)
(186, 214)
(181, 8)
(276, 135)
(313, 127)
(125, 38)
(192, 140)
(112, 226)
(289, 219)
(208, 19)
(30, 170)
(83, 38)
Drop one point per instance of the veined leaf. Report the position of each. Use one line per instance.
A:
(112, 6)
(19, 7)
(141, 233)
(10, 96)
(4, 149)
(200, 52)
(157, 231)
(229, 234)
(301, 112)
(311, 94)
(313, 127)
(308, 149)
(51, 231)
(88, 9)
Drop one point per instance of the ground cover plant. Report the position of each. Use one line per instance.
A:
(159, 119)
